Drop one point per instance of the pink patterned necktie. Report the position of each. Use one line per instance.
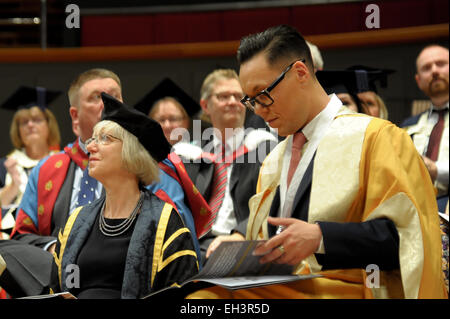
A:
(297, 144)
(219, 184)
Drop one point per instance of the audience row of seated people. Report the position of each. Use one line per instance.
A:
(175, 196)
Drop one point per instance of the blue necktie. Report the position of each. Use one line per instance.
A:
(87, 189)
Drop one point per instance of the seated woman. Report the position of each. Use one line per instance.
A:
(174, 109)
(128, 243)
(345, 84)
(355, 89)
(368, 93)
(352, 102)
(373, 104)
(34, 134)
(170, 114)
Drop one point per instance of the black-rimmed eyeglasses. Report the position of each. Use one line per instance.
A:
(263, 98)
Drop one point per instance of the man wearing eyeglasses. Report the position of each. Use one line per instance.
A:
(342, 193)
(225, 166)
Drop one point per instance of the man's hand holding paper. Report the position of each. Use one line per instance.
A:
(297, 241)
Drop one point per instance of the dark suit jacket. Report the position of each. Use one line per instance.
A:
(347, 245)
(244, 176)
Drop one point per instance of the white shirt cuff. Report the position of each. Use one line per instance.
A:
(321, 248)
(442, 172)
(47, 246)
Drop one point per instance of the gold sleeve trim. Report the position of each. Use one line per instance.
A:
(159, 239)
(62, 237)
(173, 237)
(2, 265)
(178, 254)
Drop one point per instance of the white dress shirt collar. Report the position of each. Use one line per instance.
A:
(434, 107)
(82, 146)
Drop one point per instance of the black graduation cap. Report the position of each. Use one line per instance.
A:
(351, 82)
(164, 89)
(343, 81)
(374, 75)
(148, 131)
(27, 97)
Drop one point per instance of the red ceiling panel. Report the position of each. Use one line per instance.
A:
(232, 25)
(117, 30)
(238, 23)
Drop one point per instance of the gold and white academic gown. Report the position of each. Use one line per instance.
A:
(365, 168)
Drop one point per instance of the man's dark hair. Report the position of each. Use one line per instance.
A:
(281, 42)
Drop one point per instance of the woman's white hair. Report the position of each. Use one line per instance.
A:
(135, 158)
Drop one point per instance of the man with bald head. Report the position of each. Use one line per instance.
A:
(429, 130)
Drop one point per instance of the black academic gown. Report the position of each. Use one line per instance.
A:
(160, 253)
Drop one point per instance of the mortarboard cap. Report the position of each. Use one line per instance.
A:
(148, 132)
(374, 75)
(343, 81)
(164, 89)
(26, 97)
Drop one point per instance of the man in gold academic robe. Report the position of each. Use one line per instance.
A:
(343, 195)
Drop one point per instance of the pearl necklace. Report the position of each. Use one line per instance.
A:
(112, 231)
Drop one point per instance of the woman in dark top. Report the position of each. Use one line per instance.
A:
(128, 243)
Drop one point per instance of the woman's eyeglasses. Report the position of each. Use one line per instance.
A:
(102, 139)
(35, 120)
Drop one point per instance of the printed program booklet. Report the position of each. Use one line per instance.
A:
(233, 267)
(60, 295)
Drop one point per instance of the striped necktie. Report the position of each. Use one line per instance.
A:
(297, 144)
(220, 180)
